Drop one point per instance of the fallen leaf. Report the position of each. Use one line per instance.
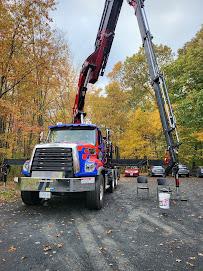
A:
(12, 249)
(102, 248)
(189, 263)
(59, 245)
(47, 248)
(178, 260)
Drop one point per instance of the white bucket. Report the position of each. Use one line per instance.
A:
(164, 200)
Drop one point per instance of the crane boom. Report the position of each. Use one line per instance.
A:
(159, 85)
(95, 64)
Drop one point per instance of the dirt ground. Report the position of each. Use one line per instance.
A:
(129, 233)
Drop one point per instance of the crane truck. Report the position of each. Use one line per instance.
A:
(76, 157)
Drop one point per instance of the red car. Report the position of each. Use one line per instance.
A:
(132, 172)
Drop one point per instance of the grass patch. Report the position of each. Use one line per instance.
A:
(10, 193)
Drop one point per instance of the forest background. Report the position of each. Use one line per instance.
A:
(38, 83)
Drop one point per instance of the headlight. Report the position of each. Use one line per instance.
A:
(26, 166)
(89, 167)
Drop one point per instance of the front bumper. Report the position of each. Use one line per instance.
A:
(131, 174)
(158, 173)
(183, 172)
(56, 185)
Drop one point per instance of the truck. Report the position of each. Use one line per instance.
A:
(73, 159)
(76, 157)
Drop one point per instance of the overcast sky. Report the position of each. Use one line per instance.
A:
(172, 22)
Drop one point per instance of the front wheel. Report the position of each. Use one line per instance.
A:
(95, 198)
(30, 197)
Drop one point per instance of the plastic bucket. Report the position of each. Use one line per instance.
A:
(164, 200)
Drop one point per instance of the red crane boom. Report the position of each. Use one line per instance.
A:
(95, 64)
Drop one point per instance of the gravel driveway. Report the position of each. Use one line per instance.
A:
(129, 233)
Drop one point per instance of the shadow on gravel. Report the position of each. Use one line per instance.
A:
(62, 204)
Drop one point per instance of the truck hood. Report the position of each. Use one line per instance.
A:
(55, 145)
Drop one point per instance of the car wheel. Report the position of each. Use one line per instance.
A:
(95, 198)
(30, 197)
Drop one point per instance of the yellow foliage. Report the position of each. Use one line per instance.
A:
(199, 135)
(142, 135)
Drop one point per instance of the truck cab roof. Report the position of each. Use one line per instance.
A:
(73, 126)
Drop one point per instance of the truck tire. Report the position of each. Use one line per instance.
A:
(30, 197)
(95, 198)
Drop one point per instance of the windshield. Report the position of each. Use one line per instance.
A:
(72, 136)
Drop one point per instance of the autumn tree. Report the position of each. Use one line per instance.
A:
(37, 77)
(109, 110)
(133, 75)
(185, 80)
(143, 135)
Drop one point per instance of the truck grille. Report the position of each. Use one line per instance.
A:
(53, 159)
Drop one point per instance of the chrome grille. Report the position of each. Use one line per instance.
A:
(53, 159)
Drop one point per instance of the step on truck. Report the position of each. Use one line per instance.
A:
(74, 158)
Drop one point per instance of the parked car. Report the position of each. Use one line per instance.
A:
(132, 172)
(199, 172)
(183, 170)
(157, 171)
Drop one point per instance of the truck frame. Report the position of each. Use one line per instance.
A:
(59, 167)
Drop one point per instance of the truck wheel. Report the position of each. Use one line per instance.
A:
(30, 197)
(95, 198)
